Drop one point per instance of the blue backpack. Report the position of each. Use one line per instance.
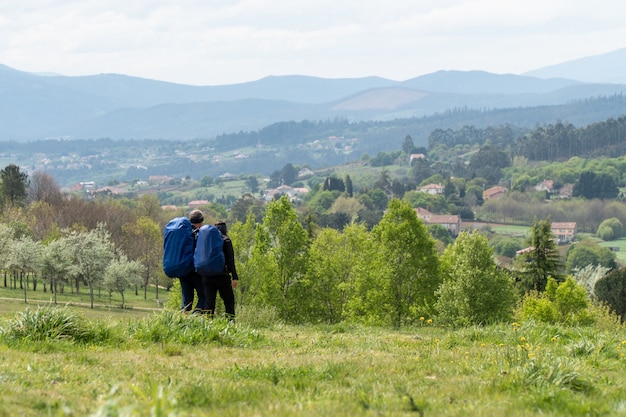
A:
(209, 257)
(178, 246)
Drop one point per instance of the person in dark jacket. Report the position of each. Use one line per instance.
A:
(193, 282)
(226, 281)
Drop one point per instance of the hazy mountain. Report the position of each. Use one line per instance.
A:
(121, 107)
(604, 68)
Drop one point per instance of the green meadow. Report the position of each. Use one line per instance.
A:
(70, 360)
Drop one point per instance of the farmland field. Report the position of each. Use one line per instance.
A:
(166, 364)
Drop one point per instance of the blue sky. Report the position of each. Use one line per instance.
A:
(216, 42)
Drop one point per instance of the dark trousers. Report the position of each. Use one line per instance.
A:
(188, 285)
(223, 285)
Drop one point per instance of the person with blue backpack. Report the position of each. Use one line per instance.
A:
(179, 245)
(214, 260)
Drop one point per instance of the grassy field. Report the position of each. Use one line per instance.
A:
(166, 364)
(135, 305)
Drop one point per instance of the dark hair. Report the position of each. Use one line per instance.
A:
(196, 217)
(222, 227)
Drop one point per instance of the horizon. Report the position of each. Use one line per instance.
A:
(210, 44)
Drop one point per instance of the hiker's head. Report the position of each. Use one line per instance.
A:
(222, 227)
(196, 217)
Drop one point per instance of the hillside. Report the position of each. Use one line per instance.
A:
(122, 107)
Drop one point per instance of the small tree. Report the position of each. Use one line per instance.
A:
(14, 185)
(543, 260)
(25, 259)
(411, 274)
(91, 254)
(474, 289)
(56, 263)
(121, 274)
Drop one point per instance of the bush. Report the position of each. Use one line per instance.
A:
(611, 290)
(54, 323)
(565, 303)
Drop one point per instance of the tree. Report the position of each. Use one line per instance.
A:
(253, 184)
(6, 242)
(149, 206)
(91, 254)
(14, 185)
(349, 187)
(289, 174)
(488, 163)
(543, 259)
(474, 290)
(408, 145)
(411, 273)
(122, 273)
(610, 229)
(142, 242)
(611, 289)
(335, 261)
(25, 259)
(280, 252)
(56, 263)
(245, 204)
(43, 187)
(588, 252)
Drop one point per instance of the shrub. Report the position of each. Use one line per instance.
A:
(54, 323)
(611, 290)
(565, 303)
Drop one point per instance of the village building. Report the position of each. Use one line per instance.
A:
(564, 231)
(434, 189)
(452, 222)
(494, 192)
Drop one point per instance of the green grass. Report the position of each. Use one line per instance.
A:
(171, 364)
(621, 245)
(12, 300)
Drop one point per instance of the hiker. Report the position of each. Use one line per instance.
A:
(225, 281)
(193, 282)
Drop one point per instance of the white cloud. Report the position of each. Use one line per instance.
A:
(226, 41)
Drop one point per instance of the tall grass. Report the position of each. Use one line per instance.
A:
(171, 364)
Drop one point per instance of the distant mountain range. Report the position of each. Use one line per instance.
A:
(34, 107)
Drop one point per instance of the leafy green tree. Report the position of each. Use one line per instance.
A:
(441, 233)
(334, 264)
(543, 259)
(588, 252)
(564, 302)
(282, 243)
(488, 163)
(243, 236)
(121, 273)
(14, 185)
(288, 174)
(474, 290)
(591, 185)
(411, 274)
(206, 181)
(610, 229)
